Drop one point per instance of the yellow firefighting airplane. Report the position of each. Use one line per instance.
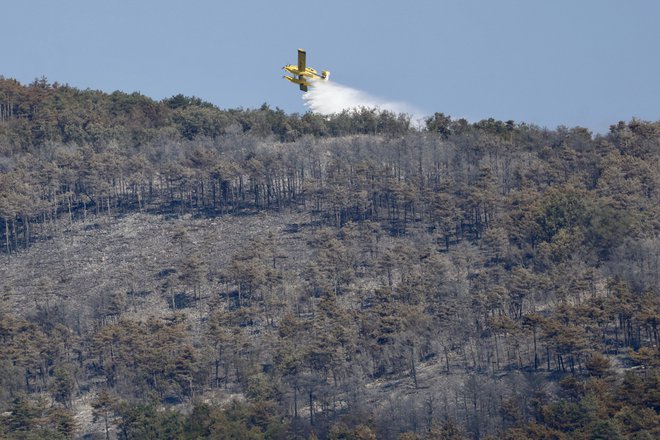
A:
(302, 73)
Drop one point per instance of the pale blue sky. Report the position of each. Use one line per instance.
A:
(580, 62)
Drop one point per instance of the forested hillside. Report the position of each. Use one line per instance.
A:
(173, 270)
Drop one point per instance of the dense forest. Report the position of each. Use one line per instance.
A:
(172, 270)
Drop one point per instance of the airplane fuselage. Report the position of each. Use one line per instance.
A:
(302, 74)
(309, 72)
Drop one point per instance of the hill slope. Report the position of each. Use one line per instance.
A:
(353, 277)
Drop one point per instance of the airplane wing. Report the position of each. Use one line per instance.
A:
(302, 60)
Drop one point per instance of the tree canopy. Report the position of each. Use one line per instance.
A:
(176, 270)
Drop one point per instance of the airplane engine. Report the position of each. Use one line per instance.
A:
(325, 75)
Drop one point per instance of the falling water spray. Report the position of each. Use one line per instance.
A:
(329, 97)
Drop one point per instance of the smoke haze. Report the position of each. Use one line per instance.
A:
(328, 97)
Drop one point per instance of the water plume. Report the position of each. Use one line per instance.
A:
(329, 97)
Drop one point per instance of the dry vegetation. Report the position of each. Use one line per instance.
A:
(172, 270)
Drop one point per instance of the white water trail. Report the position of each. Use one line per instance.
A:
(329, 97)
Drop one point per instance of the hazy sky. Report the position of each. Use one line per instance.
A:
(578, 62)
